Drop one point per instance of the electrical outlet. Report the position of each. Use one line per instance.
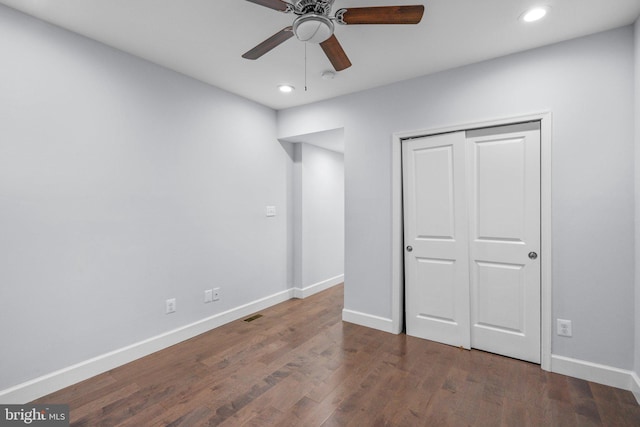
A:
(270, 211)
(564, 328)
(208, 295)
(170, 306)
(216, 294)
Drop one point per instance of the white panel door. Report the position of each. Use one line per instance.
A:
(436, 239)
(503, 166)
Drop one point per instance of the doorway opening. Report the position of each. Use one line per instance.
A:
(316, 235)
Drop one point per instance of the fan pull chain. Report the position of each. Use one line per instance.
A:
(305, 66)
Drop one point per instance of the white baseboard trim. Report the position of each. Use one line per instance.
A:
(635, 386)
(368, 320)
(317, 287)
(594, 372)
(38, 387)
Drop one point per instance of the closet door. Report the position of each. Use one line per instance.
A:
(436, 239)
(472, 239)
(503, 175)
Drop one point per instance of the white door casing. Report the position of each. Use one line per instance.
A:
(472, 217)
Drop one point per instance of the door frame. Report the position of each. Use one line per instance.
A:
(397, 243)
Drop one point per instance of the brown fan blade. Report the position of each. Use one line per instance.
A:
(272, 4)
(335, 53)
(270, 43)
(381, 15)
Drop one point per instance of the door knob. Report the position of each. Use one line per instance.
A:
(533, 255)
(409, 248)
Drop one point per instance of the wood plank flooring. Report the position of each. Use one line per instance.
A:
(300, 365)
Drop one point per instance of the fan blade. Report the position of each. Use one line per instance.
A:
(270, 43)
(272, 4)
(335, 53)
(381, 15)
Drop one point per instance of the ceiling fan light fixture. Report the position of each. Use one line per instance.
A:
(535, 14)
(313, 28)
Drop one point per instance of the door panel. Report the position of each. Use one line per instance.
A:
(499, 190)
(437, 267)
(504, 223)
(436, 289)
(433, 168)
(500, 298)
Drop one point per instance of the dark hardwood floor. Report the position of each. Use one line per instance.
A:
(300, 365)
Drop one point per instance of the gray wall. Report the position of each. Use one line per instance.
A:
(587, 84)
(123, 184)
(319, 213)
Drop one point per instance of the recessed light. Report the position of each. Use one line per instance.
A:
(535, 14)
(286, 88)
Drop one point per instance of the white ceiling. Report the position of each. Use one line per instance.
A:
(205, 39)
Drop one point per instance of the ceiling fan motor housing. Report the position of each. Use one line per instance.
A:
(313, 28)
(313, 6)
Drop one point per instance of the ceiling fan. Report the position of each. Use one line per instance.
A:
(313, 24)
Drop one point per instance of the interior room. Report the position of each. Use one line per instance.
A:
(155, 185)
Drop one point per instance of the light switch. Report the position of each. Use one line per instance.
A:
(271, 211)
